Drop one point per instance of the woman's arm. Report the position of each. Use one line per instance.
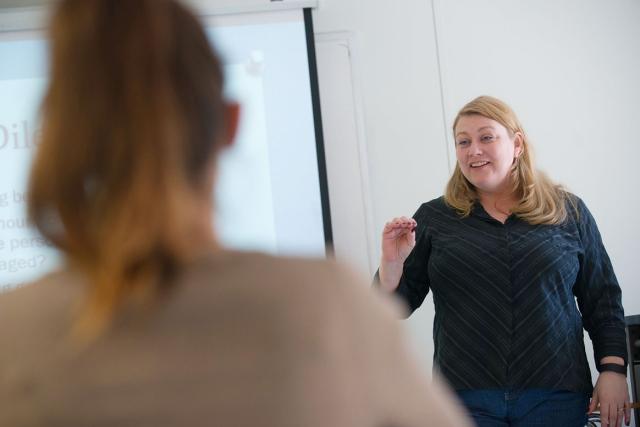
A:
(398, 240)
(600, 301)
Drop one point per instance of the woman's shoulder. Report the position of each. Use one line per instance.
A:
(437, 203)
(576, 207)
(580, 215)
(277, 270)
(257, 269)
(43, 297)
(33, 319)
(435, 207)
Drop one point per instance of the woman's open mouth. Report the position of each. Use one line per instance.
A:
(476, 165)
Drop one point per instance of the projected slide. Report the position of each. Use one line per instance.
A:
(22, 252)
(244, 214)
(268, 193)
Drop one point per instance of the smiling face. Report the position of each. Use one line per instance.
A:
(486, 151)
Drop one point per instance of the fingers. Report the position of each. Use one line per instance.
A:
(612, 415)
(612, 394)
(411, 238)
(627, 416)
(402, 224)
(615, 415)
(604, 415)
(594, 402)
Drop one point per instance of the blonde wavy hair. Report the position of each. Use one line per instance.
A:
(540, 200)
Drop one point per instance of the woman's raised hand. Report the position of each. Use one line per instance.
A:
(398, 239)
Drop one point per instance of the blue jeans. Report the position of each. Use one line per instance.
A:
(526, 408)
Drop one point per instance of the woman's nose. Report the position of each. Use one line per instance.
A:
(474, 148)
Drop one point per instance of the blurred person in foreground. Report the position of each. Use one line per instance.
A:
(151, 321)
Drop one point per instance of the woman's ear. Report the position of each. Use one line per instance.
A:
(231, 120)
(518, 145)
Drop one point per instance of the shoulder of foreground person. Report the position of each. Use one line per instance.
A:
(36, 310)
(318, 284)
(34, 320)
(311, 329)
(363, 326)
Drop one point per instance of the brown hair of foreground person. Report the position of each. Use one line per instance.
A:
(132, 124)
(132, 117)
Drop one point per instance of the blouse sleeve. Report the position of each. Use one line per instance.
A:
(597, 291)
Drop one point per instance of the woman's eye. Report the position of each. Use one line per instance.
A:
(487, 138)
(463, 142)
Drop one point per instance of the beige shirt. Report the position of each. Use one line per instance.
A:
(241, 340)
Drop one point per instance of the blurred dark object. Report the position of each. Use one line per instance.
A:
(633, 345)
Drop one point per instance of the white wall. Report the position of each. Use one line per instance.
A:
(396, 69)
(569, 68)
